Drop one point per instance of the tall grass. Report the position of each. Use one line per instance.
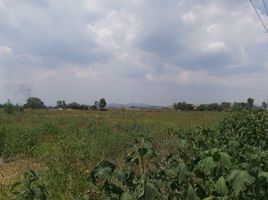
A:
(67, 144)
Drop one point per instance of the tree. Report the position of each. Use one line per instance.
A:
(61, 104)
(250, 102)
(214, 107)
(34, 103)
(183, 106)
(96, 104)
(238, 106)
(226, 105)
(202, 107)
(74, 105)
(102, 103)
(264, 105)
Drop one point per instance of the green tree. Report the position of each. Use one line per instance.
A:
(34, 103)
(102, 103)
(74, 105)
(9, 107)
(264, 105)
(61, 104)
(226, 105)
(250, 102)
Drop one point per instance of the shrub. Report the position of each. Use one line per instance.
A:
(9, 107)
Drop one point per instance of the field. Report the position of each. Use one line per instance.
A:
(64, 145)
(70, 154)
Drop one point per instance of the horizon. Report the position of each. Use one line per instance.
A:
(141, 104)
(153, 52)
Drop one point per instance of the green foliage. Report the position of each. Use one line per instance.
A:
(183, 106)
(49, 127)
(226, 162)
(61, 104)
(34, 103)
(173, 160)
(2, 140)
(102, 103)
(19, 141)
(240, 180)
(29, 188)
(74, 105)
(9, 107)
(221, 187)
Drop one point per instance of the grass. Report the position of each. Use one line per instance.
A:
(64, 145)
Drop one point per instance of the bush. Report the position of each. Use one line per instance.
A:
(9, 107)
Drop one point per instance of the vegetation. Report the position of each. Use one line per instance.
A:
(34, 103)
(229, 161)
(29, 188)
(135, 155)
(64, 146)
(10, 108)
(61, 104)
(102, 103)
(224, 106)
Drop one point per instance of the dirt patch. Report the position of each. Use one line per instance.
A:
(12, 171)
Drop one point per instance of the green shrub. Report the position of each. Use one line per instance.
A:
(20, 141)
(9, 107)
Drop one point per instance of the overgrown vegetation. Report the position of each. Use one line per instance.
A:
(139, 155)
(226, 162)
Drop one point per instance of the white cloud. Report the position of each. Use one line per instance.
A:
(188, 17)
(215, 46)
(5, 51)
(212, 27)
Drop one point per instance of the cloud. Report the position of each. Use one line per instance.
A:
(188, 17)
(5, 51)
(215, 46)
(150, 51)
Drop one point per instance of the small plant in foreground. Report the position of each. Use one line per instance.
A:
(29, 188)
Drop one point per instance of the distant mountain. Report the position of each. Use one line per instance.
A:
(133, 105)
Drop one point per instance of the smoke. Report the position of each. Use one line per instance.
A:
(24, 90)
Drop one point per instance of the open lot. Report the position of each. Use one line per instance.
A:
(64, 145)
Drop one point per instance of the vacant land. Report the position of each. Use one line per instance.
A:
(64, 145)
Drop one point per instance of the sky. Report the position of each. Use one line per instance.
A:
(151, 51)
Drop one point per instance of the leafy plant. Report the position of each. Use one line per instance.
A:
(29, 188)
(225, 162)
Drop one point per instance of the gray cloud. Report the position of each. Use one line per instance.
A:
(153, 51)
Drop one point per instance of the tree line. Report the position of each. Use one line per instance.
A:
(37, 103)
(224, 106)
